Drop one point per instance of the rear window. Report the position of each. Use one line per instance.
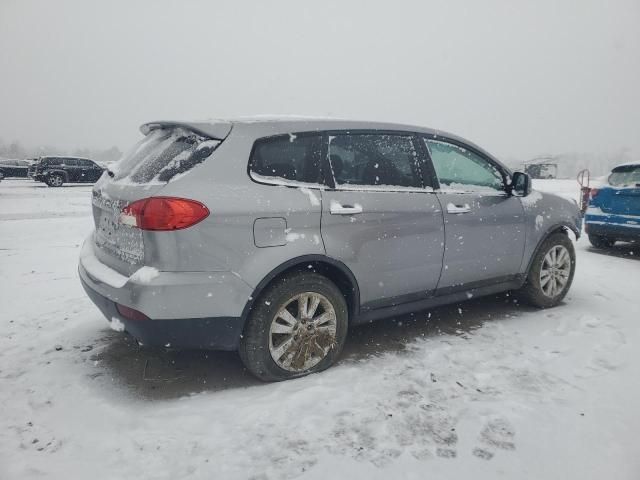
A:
(163, 154)
(290, 158)
(626, 176)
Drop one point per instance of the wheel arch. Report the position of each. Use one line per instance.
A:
(564, 228)
(333, 269)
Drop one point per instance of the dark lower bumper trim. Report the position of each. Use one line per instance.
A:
(613, 231)
(214, 333)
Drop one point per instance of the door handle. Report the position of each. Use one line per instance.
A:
(451, 208)
(339, 209)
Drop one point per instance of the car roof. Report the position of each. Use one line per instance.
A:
(285, 123)
(265, 125)
(628, 164)
(64, 156)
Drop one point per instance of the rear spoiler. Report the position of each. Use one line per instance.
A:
(216, 131)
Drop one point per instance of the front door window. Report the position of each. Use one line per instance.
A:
(460, 169)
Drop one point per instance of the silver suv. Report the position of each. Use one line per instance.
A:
(272, 237)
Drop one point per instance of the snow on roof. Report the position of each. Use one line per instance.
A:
(267, 117)
(219, 128)
(635, 163)
(62, 156)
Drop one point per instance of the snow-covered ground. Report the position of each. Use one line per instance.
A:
(483, 390)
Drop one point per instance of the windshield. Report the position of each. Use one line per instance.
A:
(162, 155)
(626, 176)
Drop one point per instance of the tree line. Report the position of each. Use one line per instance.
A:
(15, 150)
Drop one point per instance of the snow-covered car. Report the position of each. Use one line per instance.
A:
(614, 208)
(272, 237)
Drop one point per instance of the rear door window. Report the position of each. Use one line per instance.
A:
(287, 159)
(374, 160)
(163, 154)
(71, 162)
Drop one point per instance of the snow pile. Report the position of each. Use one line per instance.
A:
(531, 200)
(144, 275)
(116, 324)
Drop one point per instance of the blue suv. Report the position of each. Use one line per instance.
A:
(614, 209)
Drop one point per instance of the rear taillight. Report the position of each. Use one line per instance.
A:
(594, 192)
(163, 213)
(130, 313)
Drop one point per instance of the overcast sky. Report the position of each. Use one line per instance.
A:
(518, 77)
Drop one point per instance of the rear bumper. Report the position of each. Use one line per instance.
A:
(214, 333)
(185, 309)
(621, 228)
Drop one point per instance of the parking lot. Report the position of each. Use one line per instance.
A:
(485, 388)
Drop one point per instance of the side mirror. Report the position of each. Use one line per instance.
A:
(520, 184)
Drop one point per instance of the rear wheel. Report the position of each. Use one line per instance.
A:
(601, 242)
(297, 327)
(55, 180)
(551, 272)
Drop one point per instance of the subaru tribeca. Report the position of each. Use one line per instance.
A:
(273, 236)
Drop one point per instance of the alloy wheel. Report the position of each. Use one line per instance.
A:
(302, 332)
(555, 271)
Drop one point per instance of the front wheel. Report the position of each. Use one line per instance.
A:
(298, 326)
(551, 272)
(601, 242)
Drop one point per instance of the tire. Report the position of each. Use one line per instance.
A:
(260, 345)
(545, 294)
(601, 242)
(55, 180)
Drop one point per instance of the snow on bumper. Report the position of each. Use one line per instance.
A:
(166, 295)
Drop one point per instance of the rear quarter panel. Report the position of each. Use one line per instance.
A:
(225, 240)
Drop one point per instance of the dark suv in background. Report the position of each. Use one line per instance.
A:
(54, 171)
